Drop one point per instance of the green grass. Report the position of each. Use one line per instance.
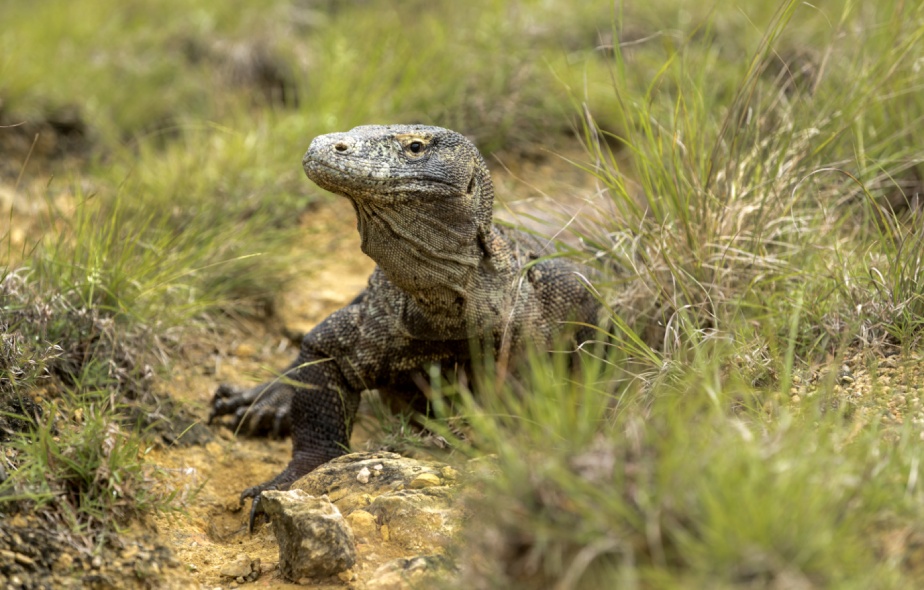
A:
(88, 473)
(691, 483)
(159, 69)
(757, 161)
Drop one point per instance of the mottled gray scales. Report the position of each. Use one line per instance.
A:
(446, 275)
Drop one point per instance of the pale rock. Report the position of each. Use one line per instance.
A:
(424, 480)
(419, 520)
(239, 567)
(365, 528)
(408, 573)
(314, 539)
(343, 479)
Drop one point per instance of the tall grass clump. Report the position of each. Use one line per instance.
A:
(753, 231)
(88, 474)
(96, 309)
(742, 193)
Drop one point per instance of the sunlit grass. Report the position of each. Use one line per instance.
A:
(753, 239)
(684, 477)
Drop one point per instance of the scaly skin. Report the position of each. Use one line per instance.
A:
(446, 277)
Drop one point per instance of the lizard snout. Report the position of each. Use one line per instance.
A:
(326, 147)
(334, 144)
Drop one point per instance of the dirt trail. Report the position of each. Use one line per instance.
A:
(334, 271)
(215, 531)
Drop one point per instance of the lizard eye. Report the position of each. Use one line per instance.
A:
(413, 146)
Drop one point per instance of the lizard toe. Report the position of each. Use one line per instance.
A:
(224, 401)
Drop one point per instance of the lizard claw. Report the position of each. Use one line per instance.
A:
(223, 402)
(256, 506)
(261, 410)
(302, 462)
(256, 509)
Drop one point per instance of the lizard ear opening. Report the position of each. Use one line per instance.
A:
(471, 185)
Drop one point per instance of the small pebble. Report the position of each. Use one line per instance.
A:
(244, 350)
(424, 480)
(237, 568)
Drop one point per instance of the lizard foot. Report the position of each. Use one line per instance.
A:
(302, 462)
(257, 411)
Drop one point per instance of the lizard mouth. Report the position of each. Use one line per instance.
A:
(374, 181)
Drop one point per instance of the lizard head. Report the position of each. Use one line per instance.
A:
(430, 174)
(423, 199)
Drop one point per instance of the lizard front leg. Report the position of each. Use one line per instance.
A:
(265, 408)
(323, 408)
(362, 346)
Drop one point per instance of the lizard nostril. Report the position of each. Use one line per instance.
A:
(341, 146)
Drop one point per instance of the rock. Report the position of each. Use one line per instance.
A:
(392, 505)
(314, 539)
(240, 567)
(405, 498)
(419, 520)
(424, 480)
(407, 573)
(365, 528)
(349, 481)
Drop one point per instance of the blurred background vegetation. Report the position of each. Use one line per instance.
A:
(759, 169)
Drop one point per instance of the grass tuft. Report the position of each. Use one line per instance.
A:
(84, 470)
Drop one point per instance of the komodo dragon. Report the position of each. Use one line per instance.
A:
(447, 280)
